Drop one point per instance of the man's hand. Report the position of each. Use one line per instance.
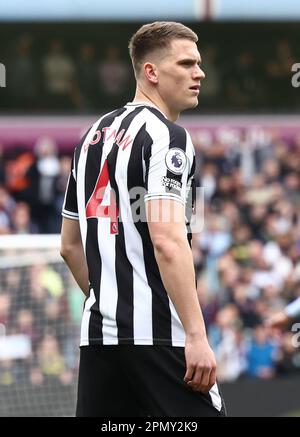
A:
(200, 364)
(277, 320)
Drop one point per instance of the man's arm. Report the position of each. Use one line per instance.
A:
(175, 262)
(282, 318)
(73, 254)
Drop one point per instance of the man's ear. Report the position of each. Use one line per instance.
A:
(151, 72)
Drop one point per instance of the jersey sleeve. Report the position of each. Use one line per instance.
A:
(293, 309)
(169, 166)
(70, 208)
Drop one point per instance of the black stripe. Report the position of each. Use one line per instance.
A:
(147, 150)
(191, 201)
(157, 113)
(192, 171)
(161, 315)
(94, 266)
(70, 203)
(78, 150)
(178, 140)
(124, 269)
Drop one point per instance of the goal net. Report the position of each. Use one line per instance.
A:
(40, 314)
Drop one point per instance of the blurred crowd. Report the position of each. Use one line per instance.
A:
(32, 187)
(59, 80)
(40, 313)
(248, 255)
(247, 258)
(56, 75)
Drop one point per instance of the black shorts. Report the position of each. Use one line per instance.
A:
(139, 381)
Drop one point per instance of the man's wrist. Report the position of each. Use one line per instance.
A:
(199, 334)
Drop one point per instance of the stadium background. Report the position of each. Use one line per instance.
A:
(66, 64)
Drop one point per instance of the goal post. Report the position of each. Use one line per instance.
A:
(40, 315)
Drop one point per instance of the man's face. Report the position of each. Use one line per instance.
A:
(180, 75)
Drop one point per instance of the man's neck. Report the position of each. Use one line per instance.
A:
(143, 97)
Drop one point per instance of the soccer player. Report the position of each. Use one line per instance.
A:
(282, 318)
(144, 349)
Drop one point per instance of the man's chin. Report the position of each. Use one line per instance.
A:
(193, 104)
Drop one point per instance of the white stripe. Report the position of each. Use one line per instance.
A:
(142, 293)
(108, 284)
(159, 133)
(71, 217)
(74, 214)
(170, 196)
(144, 166)
(177, 330)
(215, 397)
(84, 335)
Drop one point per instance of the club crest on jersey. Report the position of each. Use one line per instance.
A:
(176, 160)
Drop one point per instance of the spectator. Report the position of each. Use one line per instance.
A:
(23, 78)
(43, 176)
(87, 78)
(59, 76)
(21, 221)
(261, 354)
(50, 366)
(113, 74)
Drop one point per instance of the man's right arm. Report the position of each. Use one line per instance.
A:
(71, 245)
(175, 262)
(73, 253)
(282, 318)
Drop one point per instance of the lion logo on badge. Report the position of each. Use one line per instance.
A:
(176, 160)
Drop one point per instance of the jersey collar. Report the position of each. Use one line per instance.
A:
(151, 105)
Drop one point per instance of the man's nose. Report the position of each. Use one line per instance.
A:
(199, 73)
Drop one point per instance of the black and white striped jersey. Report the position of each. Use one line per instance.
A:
(134, 149)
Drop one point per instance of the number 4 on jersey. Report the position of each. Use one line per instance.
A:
(95, 207)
